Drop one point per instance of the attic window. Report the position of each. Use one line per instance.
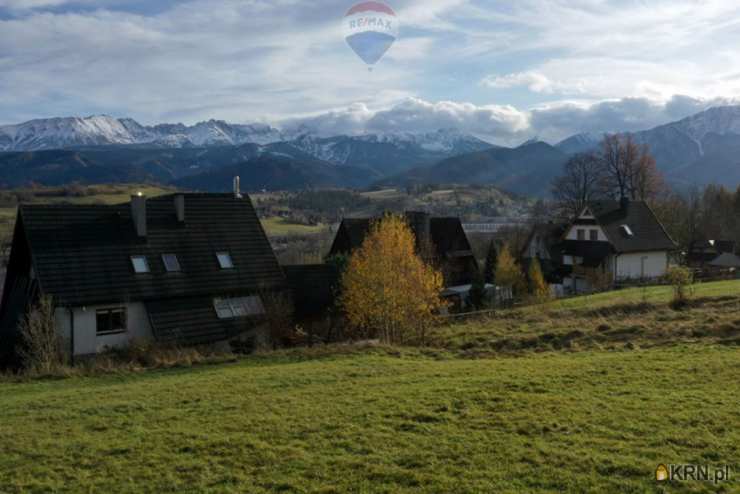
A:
(231, 308)
(171, 263)
(224, 260)
(140, 264)
(626, 231)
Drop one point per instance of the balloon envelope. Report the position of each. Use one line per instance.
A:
(370, 30)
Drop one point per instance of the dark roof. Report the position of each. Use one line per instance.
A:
(726, 260)
(193, 321)
(648, 233)
(314, 288)
(447, 235)
(552, 235)
(452, 249)
(81, 254)
(712, 246)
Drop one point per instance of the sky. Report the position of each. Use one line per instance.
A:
(504, 71)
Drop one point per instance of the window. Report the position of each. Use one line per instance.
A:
(626, 230)
(141, 265)
(110, 321)
(581, 234)
(230, 308)
(224, 260)
(594, 235)
(171, 263)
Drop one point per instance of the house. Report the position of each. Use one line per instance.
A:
(313, 288)
(704, 252)
(544, 244)
(621, 240)
(179, 268)
(440, 241)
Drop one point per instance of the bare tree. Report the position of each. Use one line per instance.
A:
(583, 179)
(630, 169)
(647, 181)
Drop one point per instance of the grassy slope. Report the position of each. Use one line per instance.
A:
(376, 423)
(628, 318)
(393, 421)
(282, 227)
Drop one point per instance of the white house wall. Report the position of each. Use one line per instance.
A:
(86, 339)
(641, 265)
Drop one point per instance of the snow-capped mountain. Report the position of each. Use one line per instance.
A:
(385, 153)
(378, 151)
(700, 149)
(102, 130)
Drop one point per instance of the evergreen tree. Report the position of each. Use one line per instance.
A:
(489, 271)
(477, 294)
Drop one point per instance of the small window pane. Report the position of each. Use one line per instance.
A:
(594, 235)
(110, 321)
(103, 322)
(581, 234)
(223, 309)
(118, 320)
(171, 263)
(140, 264)
(238, 307)
(224, 260)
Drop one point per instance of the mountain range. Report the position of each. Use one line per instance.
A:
(703, 148)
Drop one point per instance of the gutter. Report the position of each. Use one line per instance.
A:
(72, 335)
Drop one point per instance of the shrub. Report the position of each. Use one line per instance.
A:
(681, 279)
(278, 316)
(40, 346)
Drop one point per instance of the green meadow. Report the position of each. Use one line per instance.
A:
(466, 414)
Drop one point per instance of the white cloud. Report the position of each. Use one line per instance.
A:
(506, 125)
(603, 64)
(534, 81)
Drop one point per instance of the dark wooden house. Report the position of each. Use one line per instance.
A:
(440, 241)
(181, 268)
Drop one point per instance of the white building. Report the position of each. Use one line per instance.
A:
(621, 240)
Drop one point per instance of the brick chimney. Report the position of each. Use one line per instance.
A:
(138, 214)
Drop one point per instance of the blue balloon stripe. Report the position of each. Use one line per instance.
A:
(370, 46)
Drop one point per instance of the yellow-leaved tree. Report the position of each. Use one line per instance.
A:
(508, 272)
(387, 289)
(538, 288)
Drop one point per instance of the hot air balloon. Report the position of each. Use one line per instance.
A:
(370, 29)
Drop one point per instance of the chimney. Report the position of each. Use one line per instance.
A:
(237, 187)
(180, 208)
(138, 213)
(624, 203)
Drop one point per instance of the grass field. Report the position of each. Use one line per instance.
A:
(374, 422)
(551, 418)
(281, 227)
(629, 318)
